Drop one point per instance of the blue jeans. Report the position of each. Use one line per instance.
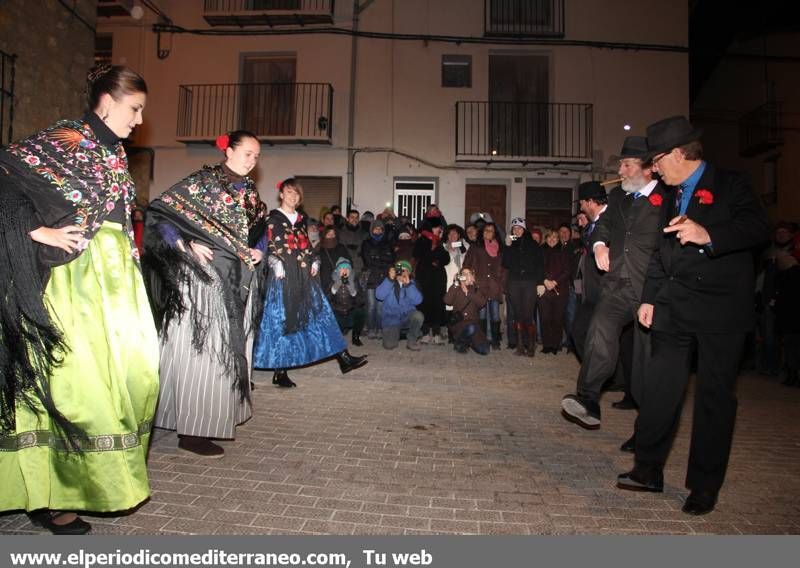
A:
(465, 338)
(374, 308)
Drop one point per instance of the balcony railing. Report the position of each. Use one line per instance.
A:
(278, 113)
(268, 12)
(760, 130)
(524, 18)
(523, 132)
(7, 65)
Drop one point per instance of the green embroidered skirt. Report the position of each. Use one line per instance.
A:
(107, 385)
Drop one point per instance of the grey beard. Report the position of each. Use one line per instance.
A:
(632, 186)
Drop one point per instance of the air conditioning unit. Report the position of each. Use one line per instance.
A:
(112, 8)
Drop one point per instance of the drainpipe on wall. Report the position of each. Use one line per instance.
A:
(351, 118)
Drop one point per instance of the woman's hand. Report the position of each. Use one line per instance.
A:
(66, 238)
(256, 255)
(201, 252)
(550, 284)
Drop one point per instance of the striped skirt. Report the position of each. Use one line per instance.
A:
(198, 396)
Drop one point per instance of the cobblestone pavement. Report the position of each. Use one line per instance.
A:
(436, 442)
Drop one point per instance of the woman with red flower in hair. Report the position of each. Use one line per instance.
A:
(204, 241)
(298, 326)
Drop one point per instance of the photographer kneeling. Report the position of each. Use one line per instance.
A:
(347, 300)
(467, 301)
(400, 297)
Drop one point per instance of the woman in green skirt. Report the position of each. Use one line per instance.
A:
(78, 347)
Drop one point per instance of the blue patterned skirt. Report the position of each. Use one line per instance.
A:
(320, 339)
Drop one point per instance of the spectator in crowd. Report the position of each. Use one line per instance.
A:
(457, 248)
(573, 248)
(313, 232)
(338, 220)
(352, 235)
(552, 303)
(485, 258)
(698, 297)
(466, 300)
(537, 235)
(328, 220)
(377, 256)
(524, 260)
(471, 234)
(400, 297)
(431, 258)
(787, 307)
(366, 220)
(766, 289)
(404, 246)
(329, 251)
(346, 299)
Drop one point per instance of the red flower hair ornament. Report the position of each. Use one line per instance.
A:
(704, 196)
(655, 200)
(222, 142)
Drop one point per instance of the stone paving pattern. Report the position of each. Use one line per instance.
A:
(434, 442)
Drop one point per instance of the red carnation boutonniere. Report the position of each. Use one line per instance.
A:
(705, 196)
(655, 200)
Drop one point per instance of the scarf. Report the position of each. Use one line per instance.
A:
(434, 238)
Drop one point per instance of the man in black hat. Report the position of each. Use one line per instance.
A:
(623, 241)
(698, 296)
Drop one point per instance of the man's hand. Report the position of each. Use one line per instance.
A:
(404, 278)
(201, 252)
(66, 238)
(687, 231)
(602, 258)
(646, 315)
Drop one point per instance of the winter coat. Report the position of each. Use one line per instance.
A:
(524, 260)
(558, 267)
(490, 275)
(468, 305)
(352, 238)
(398, 305)
(378, 256)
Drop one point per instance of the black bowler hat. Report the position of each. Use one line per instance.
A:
(591, 190)
(633, 147)
(670, 133)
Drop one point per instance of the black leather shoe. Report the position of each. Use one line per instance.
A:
(700, 503)
(642, 478)
(629, 445)
(626, 403)
(356, 339)
(281, 379)
(46, 518)
(349, 363)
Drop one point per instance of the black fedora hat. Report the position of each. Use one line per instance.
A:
(591, 190)
(633, 147)
(669, 133)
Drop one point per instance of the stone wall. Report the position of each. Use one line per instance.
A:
(54, 51)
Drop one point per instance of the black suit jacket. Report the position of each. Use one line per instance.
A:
(630, 227)
(709, 289)
(590, 275)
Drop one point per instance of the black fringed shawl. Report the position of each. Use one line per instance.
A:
(74, 172)
(223, 211)
(289, 243)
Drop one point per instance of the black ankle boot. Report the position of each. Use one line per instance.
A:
(281, 379)
(348, 363)
(356, 338)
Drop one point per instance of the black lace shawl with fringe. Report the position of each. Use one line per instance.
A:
(192, 207)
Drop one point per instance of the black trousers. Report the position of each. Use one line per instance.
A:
(522, 296)
(616, 309)
(718, 357)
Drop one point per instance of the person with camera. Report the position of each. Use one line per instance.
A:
(346, 299)
(466, 299)
(524, 260)
(399, 298)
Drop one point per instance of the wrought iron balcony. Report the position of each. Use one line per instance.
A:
(267, 12)
(524, 18)
(523, 132)
(278, 113)
(760, 130)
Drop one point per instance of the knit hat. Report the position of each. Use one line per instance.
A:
(376, 223)
(517, 222)
(403, 265)
(343, 263)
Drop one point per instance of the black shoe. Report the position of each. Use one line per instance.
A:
(629, 445)
(356, 339)
(200, 447)
(349, 363)
(46, 518)
(461, 347)
(700, 502)
(281, 379)
(642, 478)
(626, 403)
(577, 411)
(252, 386)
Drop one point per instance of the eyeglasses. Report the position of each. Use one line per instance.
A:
(658, 158)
